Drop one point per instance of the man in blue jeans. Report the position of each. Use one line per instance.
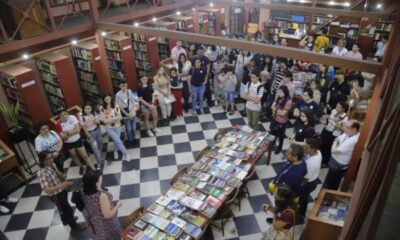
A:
(198, 82)
(129, 105)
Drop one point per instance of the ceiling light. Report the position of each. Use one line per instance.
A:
(74, 42)
(136, 24)
(103, 33)
(154, 19)
(178, 13)
(302, 1)
(193, 9)
(25, 56)
(347, 4)
(211, 4)
(379, 6)
(332, 2)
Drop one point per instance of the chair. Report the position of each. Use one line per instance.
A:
(203, 152)
(218, 136)
(132, 217)
(243, 190)
(177, 175)
(224, 213)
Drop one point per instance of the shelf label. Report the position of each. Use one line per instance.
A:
(205, 21)
(190, 26)
(152, 39)
(27, 84)
(127, 47)
(97, 58)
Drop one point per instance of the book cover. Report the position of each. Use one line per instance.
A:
(155, 208)
(141, 225)
(163, 201)
(199, 221)
(175, 194)
(178, 222)
(204, 177)
(181, 186)
(192, 203)
(214, 201)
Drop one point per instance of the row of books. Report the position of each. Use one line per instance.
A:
(333, 210)
(85, 65)
(53, 90)
(50, 78)
(143, 56)
(114, 55)
(56, 103)
(112, 45)
(138, 37)
(138, 46)
(143, 72)
(115, 64)
(90, 77)
(9, 81)
(143, 65)
(117, 75)
(46, 66)
(93, 88)
(81, 53)
(14, 94)
(163, 48)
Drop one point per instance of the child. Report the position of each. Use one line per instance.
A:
(176, 86)
(252, 94)
(228, 81)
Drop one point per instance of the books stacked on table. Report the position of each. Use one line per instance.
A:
(333, 211)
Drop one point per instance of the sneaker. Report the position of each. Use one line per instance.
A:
(150, 133)
(78, 227)
(11, 200)
(194, 113)
(127, 157)
(4, 209)
(116, 156)
(156, 130)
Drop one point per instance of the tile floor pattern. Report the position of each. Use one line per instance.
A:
(141, 181)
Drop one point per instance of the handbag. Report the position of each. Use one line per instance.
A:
(169, 99)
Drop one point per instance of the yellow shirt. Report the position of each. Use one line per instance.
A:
(321, 42)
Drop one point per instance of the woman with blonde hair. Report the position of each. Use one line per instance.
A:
(163, 91)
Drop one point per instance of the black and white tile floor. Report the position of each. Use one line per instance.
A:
(140, 182)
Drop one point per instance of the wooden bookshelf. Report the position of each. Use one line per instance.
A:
(216, 18)
(20, 85)
(318, 227)
(203, 22)
(92, 80)
(59, 81)
(146, 54)
(164, 44)
(120, 60)
(236, 20)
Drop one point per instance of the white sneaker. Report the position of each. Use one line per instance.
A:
(4, 209)
(11, 200)
(150, 133)
(127, 157)
(156, 130)
(116, 156)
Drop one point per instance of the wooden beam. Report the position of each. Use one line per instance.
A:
(305, 9)
(50, 15)
(294, 53)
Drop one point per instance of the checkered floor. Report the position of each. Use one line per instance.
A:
(140, 182)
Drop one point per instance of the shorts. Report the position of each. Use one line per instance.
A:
(143, 109)
(230, 96)
(73, 145)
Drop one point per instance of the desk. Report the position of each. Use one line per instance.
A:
(195, 199)
(9, 161)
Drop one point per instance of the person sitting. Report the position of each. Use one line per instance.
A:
(321, 41)
(355, 52)
(380, 47)
(340, 50)
(342, 151)
(284, 214)
(54, 184)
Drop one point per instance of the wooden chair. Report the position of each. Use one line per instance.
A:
(224, 213)
(218, 136)
(177, 175)
(132, 217)
(203, 152)
(243, 190)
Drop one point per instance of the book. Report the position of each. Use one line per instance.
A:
(216, 192)
(135, 234)
(192, 203)
(176, 208)
(199, 220)
(155, 208)
(141, 225)
(179, 222)
(197, 194)
(234, 182)
(181, 186)
(165, 214)
(192, 230)
(214, 201)
(204, 177)
(184, 236)
(172, 229)
(175, 194)
(163, 200)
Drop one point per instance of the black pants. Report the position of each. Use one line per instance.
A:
(208, 94)
(186, 95)
(59, 161)
(66, 211)
(334, 177)
(327, 141)
(305, 191)
(279, 133)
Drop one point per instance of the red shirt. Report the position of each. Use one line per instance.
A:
(287, 216)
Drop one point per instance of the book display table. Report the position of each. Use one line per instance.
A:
(8, 161)
(195, 198)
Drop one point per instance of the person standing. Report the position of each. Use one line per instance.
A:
(177, 50)
(342, 151)
(184, 67)
(339, 90)
(70, 133)
(253, 94)
(176, 88)
(321, 41)
(313, 160)
(90, 125)
(5, 198)
(288, 82)
(53, 183)
(163, 91)
(147, 105)
(128, 104)
(206, 66)
(305, 127)
(110, 115)
(278, 79)
(49, 140)
(99, 209)
(355, 52)
(217, 68)
(248, 71)
(198, 81)
(315, 86)
(229, 81)
(340, 50)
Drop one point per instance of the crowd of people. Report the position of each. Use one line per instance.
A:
(216, 76)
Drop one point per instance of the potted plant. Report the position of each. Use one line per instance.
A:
(12, 114)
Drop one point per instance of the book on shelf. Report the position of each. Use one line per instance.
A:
(9, 82)
(163, 201)
(91, 77)
(85, 65)
(53, 90)
(112, 45)
(46, 66)
(179, 222)
(81, 53)
(50, 78)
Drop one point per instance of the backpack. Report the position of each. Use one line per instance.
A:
(258, 88)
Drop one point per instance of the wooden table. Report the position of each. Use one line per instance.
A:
(258, 144)
(10, 162)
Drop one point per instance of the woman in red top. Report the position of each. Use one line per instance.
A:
(283, 223)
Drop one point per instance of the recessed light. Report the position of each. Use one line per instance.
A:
(332, 2)
(211, 4)
(103, 33)
(193, 9)
(136, 24)
(74, 42)
(25, 56)
(178, 13)
(154, 19)
(347, 4)
(379, 6)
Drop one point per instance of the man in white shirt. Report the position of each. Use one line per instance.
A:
(177, 50)
(380, 47)
(313, 159)
(342, 151)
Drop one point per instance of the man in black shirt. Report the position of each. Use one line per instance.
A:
(339, 90)
(206, 65)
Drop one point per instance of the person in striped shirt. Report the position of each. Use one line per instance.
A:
(253, 93)
(278, 80)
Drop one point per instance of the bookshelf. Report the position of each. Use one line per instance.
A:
(92, 79)
(327, 216)
(203, 23)
(216, 19)
(120, 60)
(20, 85)
(59, 81)
(236, 20)
(146, 54)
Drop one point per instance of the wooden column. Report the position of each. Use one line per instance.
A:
(102, 65)
(310, 21)
(196, 18)
(264, 19)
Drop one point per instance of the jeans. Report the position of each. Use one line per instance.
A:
(198, 93)
(98, 147)
(130, 128)
(115, 135)
(252, 118)
(305, 191)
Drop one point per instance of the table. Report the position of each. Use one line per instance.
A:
(9, 161)
(194, 200)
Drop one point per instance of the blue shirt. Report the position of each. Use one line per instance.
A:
(292, 175)
(198, 77)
